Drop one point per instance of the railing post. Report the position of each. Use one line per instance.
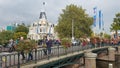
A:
(35, 55)
(111, 52)
(72, 48)
(58, 49)
(18, 60)
(0, 61)
(66, 51)
(48, 55)
(90, 60)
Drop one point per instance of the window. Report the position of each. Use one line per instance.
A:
(39, 25)
(44, 30)
(40, 30)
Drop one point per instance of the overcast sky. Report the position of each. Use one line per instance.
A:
(28, 11)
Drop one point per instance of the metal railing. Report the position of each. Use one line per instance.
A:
(4, 49)
(12, 59)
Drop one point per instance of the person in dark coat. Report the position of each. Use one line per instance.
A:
(44, 46)
(49, 45)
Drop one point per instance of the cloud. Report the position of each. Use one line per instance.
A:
(29, 10)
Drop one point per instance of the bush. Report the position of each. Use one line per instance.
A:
(66, 42)
(26, 45)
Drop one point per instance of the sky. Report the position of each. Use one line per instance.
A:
(28, 11)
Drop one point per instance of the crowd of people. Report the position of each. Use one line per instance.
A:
(97, 42)
(47, 43)
(13, 45)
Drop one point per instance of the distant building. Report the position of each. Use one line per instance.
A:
(113, 34)
(10, 28)
(2, 29)
(41, 28)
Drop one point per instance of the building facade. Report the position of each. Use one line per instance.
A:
(41, 28)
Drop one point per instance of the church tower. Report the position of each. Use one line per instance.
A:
(42, 13)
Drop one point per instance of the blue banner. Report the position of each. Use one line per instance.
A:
(94, 23)
(95, 16)
(100, 24)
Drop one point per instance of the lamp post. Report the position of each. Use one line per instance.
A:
(72, 34)
(72, 30)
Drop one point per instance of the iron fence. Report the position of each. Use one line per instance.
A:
(13, 59)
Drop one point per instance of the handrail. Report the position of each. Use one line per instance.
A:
(11, 59)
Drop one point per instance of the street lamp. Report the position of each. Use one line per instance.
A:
(72, 30)
(72, 34)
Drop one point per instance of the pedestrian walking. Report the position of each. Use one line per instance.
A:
(30, 55)
(44, 46)
(31, 43)
(11, 45)
(22, 51)
(49, 45)
(23, 55)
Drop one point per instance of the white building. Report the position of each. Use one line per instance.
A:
(113, 34)
(2, 29)
(41, 28)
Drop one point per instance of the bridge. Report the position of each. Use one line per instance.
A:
(74, 56)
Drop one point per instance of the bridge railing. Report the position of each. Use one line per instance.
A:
(4, 49)
(15, 59)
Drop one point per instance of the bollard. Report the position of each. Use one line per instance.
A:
(110, 65)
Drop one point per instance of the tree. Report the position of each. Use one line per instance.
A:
(5, 36)
(20, 34)
(81, 20)
(115, 26)
(22, 28)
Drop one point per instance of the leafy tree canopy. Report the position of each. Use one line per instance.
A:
(81, 22)
(115, 26)
(22, 28)
(19, 34)
(5, 36)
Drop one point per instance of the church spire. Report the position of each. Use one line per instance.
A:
(42, 13)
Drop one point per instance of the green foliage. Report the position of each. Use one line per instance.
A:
(22, 28)
(115, 26)
(80, 19)
(26, 45)
(66, 42)
(20, 34)
(107, 36)
(5, 36)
